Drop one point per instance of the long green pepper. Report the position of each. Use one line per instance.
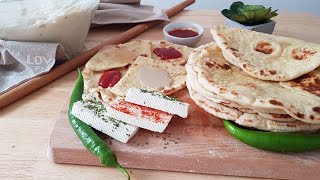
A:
(87, 136)
(272, 141)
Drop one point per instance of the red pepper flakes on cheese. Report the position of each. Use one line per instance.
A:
(154, 115)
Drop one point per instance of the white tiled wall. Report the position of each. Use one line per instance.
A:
(311, 6)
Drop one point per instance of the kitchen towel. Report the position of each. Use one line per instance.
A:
(21, 61)
(126, 11)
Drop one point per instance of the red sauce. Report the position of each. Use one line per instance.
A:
(109, 78)
(183, 33)
(167, 53)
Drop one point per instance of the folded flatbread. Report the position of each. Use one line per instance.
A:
(266, 56)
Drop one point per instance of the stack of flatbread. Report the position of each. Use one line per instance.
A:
(130, 59)
(257, 80)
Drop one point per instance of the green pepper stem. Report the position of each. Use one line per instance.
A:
(123, 170)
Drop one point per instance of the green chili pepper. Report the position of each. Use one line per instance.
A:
(88, 137)
(272, 141)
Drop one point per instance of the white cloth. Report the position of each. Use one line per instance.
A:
(21, 61)
(126, 11)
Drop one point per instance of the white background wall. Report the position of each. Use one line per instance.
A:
(311, 6)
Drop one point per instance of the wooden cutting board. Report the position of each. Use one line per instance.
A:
(198, 144)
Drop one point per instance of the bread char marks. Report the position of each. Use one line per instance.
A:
(217, 65)
(264, 47)
(300, 115)
(308, 82)
(272, 72)
(280, 115)
(275, 102)
(235, 52)
(251, 85)
(316, 109)
(277, 117)
(302, 53)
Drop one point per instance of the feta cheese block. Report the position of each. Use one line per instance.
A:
(137, 115)
(95, 115)
(158, 101)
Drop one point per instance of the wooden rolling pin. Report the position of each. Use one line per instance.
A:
(38, 82)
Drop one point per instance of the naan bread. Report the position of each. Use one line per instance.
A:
(131, 79)
(120, 55)
(184, 50)
(216, 75)
(265, 56)
(250, 120)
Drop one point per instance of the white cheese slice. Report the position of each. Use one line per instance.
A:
(141, 116)
(95, 115)
(158, 101)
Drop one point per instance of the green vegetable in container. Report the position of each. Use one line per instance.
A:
(272, 141)
(87, 136)
(248, 14)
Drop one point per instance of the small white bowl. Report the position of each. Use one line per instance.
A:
(191, 41)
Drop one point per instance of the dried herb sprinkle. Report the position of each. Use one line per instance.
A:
(160, 95)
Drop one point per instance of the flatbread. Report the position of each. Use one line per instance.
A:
(184, 50)
(216, 75)
(265, 56)
(131, 79)
(250, 120)
(120, 55)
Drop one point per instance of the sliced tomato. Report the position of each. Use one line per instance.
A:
(167, 53)
(109, 78)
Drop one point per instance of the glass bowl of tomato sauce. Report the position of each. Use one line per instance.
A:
(183, 33)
